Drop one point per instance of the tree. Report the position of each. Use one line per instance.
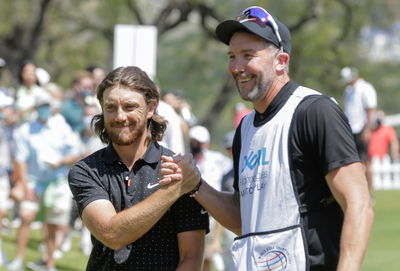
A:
(64, 36)
(22, 41)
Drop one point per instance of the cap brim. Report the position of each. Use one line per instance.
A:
(226, 29)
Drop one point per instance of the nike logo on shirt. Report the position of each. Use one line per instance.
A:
(151, 185)
(203, 212)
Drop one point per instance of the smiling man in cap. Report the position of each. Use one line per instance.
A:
(301, 200)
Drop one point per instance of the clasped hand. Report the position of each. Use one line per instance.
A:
(179, 169)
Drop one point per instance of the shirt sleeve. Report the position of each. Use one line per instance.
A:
(322, 130)
(85, 186)
(189, 215)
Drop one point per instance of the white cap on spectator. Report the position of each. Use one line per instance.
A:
(348, 74)
(43, 98)
(199, 133)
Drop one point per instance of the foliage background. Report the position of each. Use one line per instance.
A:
(63, 36)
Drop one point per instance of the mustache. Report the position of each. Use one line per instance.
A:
(119, 124)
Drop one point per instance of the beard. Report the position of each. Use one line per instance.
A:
(257, 92)
(126, 137)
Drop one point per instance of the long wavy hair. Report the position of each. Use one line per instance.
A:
(135, 79)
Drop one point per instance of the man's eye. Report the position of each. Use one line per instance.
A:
(109, 107)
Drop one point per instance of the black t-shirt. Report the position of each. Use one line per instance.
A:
(102, 175)
(320, 140)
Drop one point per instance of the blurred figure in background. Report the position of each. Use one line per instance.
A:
(359, 103)
(78, 111)
(240, 111)
(73, 108)
(173, 137)
(182, 107)
(44, 150)
(98, 74)
(384, 140)
(5, 163)
(213, 166)
(27, 92)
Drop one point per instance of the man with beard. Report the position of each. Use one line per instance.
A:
(301, 199)
(135, 224)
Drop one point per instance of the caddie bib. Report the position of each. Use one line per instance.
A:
(272, 231)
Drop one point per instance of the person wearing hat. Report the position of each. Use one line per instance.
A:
(45, 148)
(301, 199)
(360, 103)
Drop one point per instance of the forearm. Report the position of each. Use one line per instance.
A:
(223, 206)
(117, 230)
(191, 264)
(191, 250)
(354, 239)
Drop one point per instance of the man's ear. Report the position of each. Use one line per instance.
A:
(282, 61)
(151, 108)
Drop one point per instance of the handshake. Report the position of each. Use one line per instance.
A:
(180, 171)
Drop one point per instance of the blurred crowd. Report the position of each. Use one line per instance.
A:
(44, 129)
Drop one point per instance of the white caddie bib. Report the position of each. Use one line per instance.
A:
(272, 233)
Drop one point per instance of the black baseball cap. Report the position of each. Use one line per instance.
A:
(259, 22)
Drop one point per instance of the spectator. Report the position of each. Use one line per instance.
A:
(384, 140)
(173, 138)
(359, 104)
(5, 164)
(45, 148)
(27, 92)
(182, 107)
(240, 111)
(74, 108)
(98, 74)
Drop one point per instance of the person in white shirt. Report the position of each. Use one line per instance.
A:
(359, 104)
(44, 150)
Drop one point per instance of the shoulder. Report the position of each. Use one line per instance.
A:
(91, 161)
(164, 151)
(317, 106)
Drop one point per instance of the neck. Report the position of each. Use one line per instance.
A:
(131, 153)
(276, 86)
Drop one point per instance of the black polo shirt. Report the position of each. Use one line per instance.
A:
(102, 175)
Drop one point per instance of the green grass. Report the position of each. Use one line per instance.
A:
(74, 260)
(383, 251)
(384, 245)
